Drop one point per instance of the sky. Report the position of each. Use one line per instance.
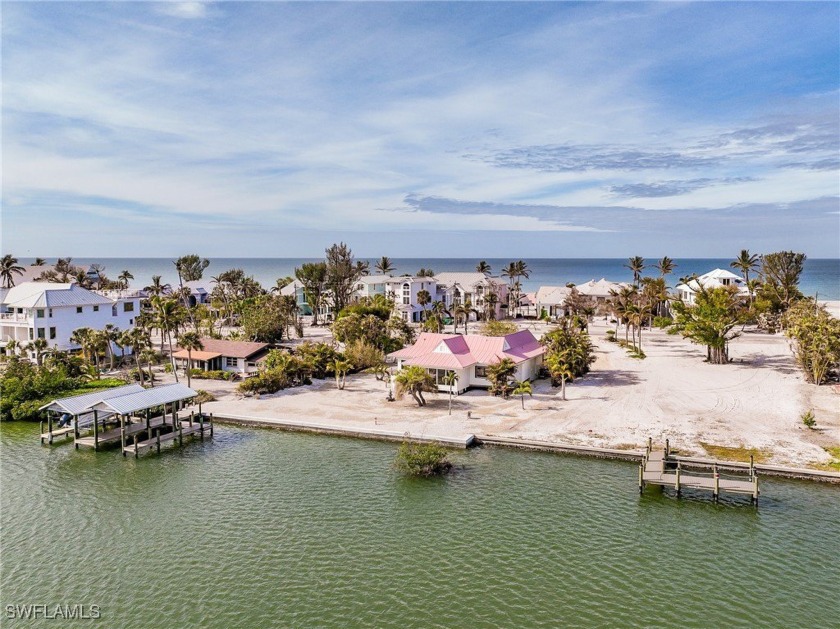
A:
(431, 129)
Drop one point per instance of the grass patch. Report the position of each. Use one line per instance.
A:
(834, 464)
(742, 454)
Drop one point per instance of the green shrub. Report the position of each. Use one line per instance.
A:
(200, 374)
(422, 459)
(662, 322)
(204, 396)
(363, 355)
(269, 381)
(497, 328)
(809, 420)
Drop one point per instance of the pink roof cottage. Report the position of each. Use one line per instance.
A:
(469, 355)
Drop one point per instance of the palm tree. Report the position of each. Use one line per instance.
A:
(450, 379)
(500, 374)
(424, 298)
(414, 380)
(84, 338)
(483, 267)
(746, 262)
(110, 333)
(461, 310)
(384, 265)
(424, 272)
(169, 316)
(157, 287)
(190, 341)
(490, 302)
(522, 388)
(438, 310)
(39, 262)
(39, 346)
(341, 368)
(123, 279)
(560, 367)
(637, 265)
(665, 266)
(9, 267)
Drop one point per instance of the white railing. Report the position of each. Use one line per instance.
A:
(14, 316)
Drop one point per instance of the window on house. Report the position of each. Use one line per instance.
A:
(42, 333)
(52, 333)
(78, 310)
(96, 308)
(406, 294)
(31, 334)
(231, 362)
(128, 306)
(480, 371)
(39, 313)
(50, 313)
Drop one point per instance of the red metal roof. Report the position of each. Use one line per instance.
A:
(454, 351)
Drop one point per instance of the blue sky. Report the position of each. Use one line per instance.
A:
(421, 129)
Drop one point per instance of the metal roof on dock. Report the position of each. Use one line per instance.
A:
(80, 404)
(146, 398)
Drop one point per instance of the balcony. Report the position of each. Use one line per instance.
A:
(14, 317)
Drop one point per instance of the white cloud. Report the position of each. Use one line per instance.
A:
(185, 10)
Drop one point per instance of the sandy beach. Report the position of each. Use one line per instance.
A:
(754, 402)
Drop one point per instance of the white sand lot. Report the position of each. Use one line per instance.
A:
(755, 401)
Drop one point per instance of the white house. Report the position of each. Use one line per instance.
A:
(470, 355)
(455, 288)
(713, 279)
(239, 357)
(372, 285)
(552, 299)
(404, 291)
(52, 311)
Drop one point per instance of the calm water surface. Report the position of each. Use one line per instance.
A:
(258, 528)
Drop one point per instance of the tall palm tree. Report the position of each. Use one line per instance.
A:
(665, 266)
(490, 302)
(191, 342)
(483, 267)
(560, 367)
(424, 298)
(110, 334)
(157, 287)
(438, 311)
(39, 262)
(123, 279)
(450, 379)
(9, 267)
(384, 265)
(83, 337)
(169, 316)
(637, 265)
(746, 262)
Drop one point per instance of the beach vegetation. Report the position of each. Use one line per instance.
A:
(384, 265)
(747, 263)
(736, 453)
(501, 377)
(203, 397)
(483, 267)
(569, 353)
(636, 264)
(319, 358)
(270, 318)
(422, 459)
(663, 323)
(9, 267)
(364, 355)
(497, 328)
(414, 381)
(387, 336)
(710, 321)
(341, 367)
(450, 379)
(379, 306)
(834, 464)
(815, 337)
(423, 272)
(213, 374)
(780, 273)
(809, 420)
(343, 272)
(191, 342)
(313, 276)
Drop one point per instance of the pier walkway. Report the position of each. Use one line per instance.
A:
(658, 468)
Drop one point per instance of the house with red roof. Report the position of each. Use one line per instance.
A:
(469, 356)
(239, 357)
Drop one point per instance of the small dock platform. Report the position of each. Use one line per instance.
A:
(159, 437)
(659, 468)
(114, 435)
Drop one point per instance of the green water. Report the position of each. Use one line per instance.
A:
(269, 529)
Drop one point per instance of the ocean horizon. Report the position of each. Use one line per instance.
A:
(821, 276)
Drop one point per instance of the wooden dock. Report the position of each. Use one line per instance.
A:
(158, 437)
(114, 435)
(658, 468)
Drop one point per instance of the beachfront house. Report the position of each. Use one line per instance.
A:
(472, 287)
(295, 289)
(713, 279)
(404, 291)
(470, 355)
(53, 311)
(551, 300)
(238, 357)
(370, 286)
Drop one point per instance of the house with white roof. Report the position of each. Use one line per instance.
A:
(53, 311)
(470, 355)
(404, 291)
(458, 288)
(371, 285)
(552, 299)
(713, 279)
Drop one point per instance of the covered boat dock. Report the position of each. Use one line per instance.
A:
(77, 414)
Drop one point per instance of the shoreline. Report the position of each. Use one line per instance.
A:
(469, 441)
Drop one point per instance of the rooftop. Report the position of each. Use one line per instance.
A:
(50, 295)
(223, 347)
(455, 351)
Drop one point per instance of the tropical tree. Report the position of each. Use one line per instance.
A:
(560, 367)
(9, 267)
(424, 298)
(462, 311)
(341, 368)
(39, 262)
(191, 342)
(816, 339)
(665, 266)
(313, 276)
(190, 267)
(710, 321)
(483, 267)
(636, 264)
(84, 337)
(157, 287)
(500, 375)
(110, 334)
(414, 380)
(781, 272)
(39, 346)
(281, 283)
(522, 388)
(746, 262)
(438, 311)
(169, 316)
(384, 265)
(343, 271)
(450, 379)
(123, 279)
(424, 272)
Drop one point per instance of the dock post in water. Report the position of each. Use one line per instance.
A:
(201, 423)
(211, 424)
(667, 448)
(49, 424)
(122, 433)
(158, 440)
(641, 478)
(95, 431)
(677, 481)
(716, 490)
